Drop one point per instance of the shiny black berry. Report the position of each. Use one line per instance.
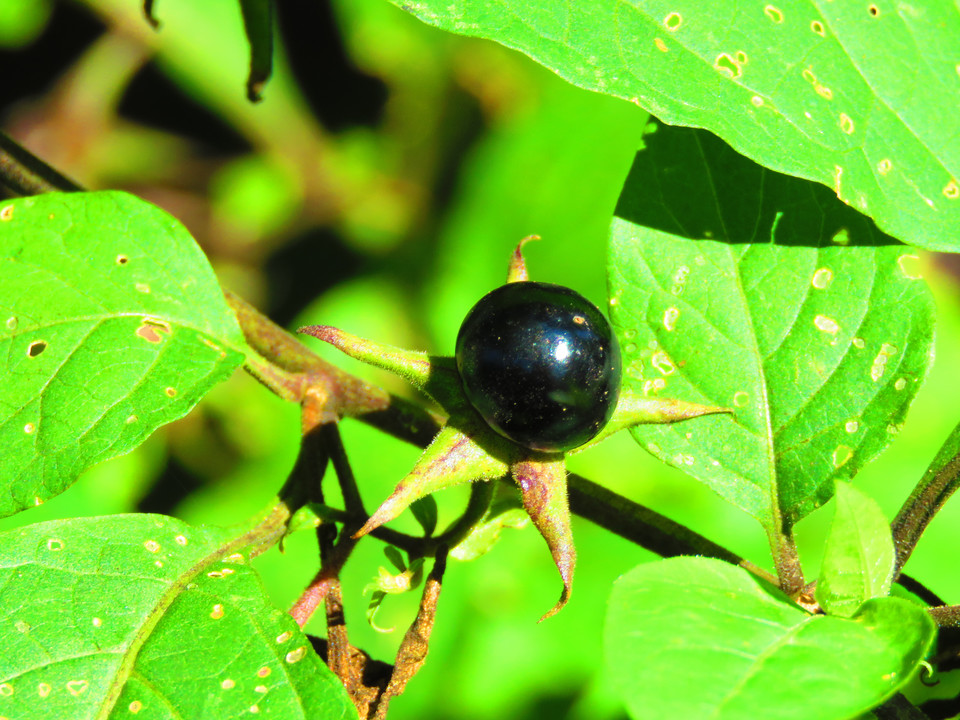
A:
(540, 364)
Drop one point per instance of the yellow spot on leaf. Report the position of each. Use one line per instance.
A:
(822, 278)
(296, 655)
(29, 428)
(841, 456)
(661, 45)
(910, 266)
(283, 637)
(951, 190)
(670, 317)
(826, 324)
(880, 361)
(217, 612)
(6, 213)
(673, 21)
(77, 687)
(135, 707)
(263, 672)
(727, 66)
(227, 684)
(884, 166)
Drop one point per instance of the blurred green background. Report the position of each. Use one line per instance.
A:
(380, 187)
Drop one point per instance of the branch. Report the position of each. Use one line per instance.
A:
(937, 484)
(647, 528)
(26, 174)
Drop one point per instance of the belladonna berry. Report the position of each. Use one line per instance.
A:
(540, 364)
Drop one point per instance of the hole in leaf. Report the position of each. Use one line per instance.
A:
(673, 21)
(36, 348)
(817, 27)
(873, 10)
(122, 259)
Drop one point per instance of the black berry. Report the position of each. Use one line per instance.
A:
(540, 364)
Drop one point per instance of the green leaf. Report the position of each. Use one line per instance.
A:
(111, 324)
(505, 511)
(395, 558)
(697, 623)
(856, 96)
(858, 559)
(425, 511)
(737, 287)
(146, 616)
(258, 25)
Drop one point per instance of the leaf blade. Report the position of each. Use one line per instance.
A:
(696, 622)
(112, 325)
(101, 608)
(821, 92)
(771, 298)
(858, 562)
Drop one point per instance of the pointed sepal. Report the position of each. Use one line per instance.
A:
(517, 272)
(412, 366)
(634, 409)
(451, 459)
(543, 487)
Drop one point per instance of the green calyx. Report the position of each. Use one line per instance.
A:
(467, 450)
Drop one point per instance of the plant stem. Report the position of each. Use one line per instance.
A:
(647, 528)
(938, 483)
(899, 708)
(291, 370)
(786, 559)
(945, 615)
(348, 482)
(26, 174)
(413, 649)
